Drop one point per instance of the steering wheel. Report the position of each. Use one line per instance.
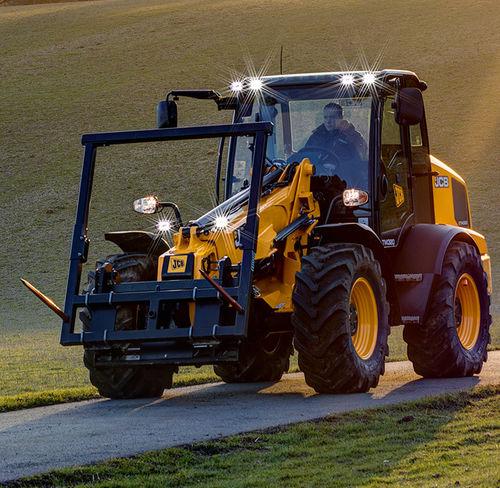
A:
(277, 162)
(325, 158)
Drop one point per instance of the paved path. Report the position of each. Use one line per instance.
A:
(39, 439)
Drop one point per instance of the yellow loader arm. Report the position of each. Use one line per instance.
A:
(279, 240)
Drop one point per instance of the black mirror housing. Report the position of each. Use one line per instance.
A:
(166, 114)
(409, 105)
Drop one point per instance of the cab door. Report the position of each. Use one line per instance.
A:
(423, 199)
(396, 202)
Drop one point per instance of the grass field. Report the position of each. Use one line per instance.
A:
(94, 66)
(441, 442)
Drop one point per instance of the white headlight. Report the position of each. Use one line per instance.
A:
(369, 78)
(221, 222)
(347, 80)
(164, 225)
(354, 198)
(255, 84)
(236, 86)
(146, 205)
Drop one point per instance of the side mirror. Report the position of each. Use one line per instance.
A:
(409, 105)
(147, 205)
(354, 198)
(166, 114)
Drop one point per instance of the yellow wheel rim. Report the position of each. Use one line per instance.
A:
(467, 311)
(363, 318)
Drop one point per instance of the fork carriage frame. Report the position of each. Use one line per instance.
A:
(205, 332)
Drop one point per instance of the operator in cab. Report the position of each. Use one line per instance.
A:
(337, 135)
(339, 154)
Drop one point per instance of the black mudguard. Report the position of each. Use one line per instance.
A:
(417, 261)
(138, 241)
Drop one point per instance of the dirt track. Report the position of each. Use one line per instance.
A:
(36, 440)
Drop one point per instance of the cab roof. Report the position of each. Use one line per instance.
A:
(385, 76)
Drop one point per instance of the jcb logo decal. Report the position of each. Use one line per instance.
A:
(441, 182)
(177, 264)
(399, 195)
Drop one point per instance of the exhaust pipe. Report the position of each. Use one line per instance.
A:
(45, 299)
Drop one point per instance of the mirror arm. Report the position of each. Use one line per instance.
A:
(223, 103)
(198, 94)
(174, 207)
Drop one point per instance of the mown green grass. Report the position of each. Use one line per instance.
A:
(97, 66)
(46, 397)
(439, 442)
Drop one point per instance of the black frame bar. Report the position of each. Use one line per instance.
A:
(102, 331)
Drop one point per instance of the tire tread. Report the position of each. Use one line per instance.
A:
(434, 347)
(321, 316)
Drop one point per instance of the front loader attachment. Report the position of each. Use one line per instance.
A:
(219, 318)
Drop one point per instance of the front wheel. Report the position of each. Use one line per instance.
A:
(119, 382)
(341, 319)
(454, 337)
(125, 382)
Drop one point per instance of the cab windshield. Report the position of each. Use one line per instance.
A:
(316, 123)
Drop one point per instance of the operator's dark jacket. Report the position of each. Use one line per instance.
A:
(337, 141)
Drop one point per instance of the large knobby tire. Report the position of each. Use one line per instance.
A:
(264, 356)
(341, 319)
(120, 382)
(453, 339)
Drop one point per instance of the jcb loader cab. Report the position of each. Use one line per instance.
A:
(334, 223)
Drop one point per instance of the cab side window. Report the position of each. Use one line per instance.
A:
(416, 139)
(396, 206)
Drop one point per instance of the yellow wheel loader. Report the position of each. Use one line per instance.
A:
(334, 224)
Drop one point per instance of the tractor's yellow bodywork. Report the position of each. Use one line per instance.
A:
(452, 207)
(277, 210)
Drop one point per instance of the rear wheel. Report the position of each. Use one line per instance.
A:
(341, 319)
(127, 381)
(454, 337)
(265, 356)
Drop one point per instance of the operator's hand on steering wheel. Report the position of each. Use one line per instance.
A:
(326, 163)
(275, 163)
